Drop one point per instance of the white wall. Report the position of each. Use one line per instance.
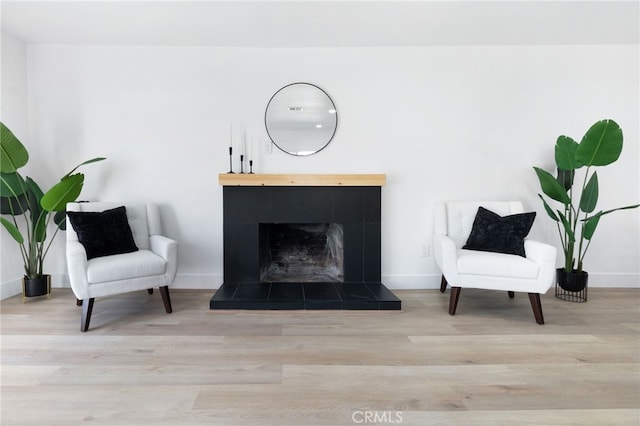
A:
(441, 122)
(13, 112)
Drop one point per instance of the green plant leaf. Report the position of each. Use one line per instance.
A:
(590, 226)
(548, 209)
(14, 206)
(601, 145)
(567, 227)
(37, 215)
(602, 213)
(592, 221)
(565, 153)
(13, 154)
(589, 197)
(34, 194)
(11, 184)
(39, 228)
(565, 178)
(551, 187)
(93, 160)
(60, 219)
(13, 230)
(65, 191)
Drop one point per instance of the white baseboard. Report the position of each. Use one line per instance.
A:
(614, 280)
(432, 281)
(195, 282)
(411, 282)
(392, 281)
(198, 282)
(10, 288)
(14, 287)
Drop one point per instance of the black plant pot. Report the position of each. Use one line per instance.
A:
(572, 281)
(36, 286)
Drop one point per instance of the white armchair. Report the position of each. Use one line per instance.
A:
(533, 274)
(94, 269)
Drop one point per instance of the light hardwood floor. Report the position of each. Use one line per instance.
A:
(490, 364)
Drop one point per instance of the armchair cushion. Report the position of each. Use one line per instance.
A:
(103, 233)
(499, 234)
(496, 265)
(142, 263)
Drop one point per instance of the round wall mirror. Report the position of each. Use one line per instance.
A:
(301, 119)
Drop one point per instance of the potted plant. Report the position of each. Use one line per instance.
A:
(577, 219)
(22, 197)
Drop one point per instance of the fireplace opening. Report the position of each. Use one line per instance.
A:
(301, 252)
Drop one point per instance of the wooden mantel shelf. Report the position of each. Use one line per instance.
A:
(237, 179)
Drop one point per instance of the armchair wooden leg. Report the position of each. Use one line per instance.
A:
(537, 307)
(511, 294)
(443, 284)
(166, 299)
(78, 302)
(453, 301)
(150, 291)
(87, 307)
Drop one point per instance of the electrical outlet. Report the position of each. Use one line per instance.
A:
(425, 250)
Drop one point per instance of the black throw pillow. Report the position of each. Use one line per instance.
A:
(499, 234)
(103, 233)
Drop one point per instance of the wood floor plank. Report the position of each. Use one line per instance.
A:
(489, 364)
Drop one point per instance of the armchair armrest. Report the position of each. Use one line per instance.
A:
(540, 252)
(163, 246)
(77, 266)
(168, 250)
(446, 255)
(545, 256)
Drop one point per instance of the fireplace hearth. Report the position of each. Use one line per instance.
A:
(292, 244)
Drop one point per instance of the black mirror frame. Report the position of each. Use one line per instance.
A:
(267, 127)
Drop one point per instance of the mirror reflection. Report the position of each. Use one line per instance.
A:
(301, 119)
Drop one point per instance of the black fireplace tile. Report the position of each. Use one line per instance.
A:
(225, 292)
(241, 254)
(316, 206)
(320, 291)
(381, 292)
(372, 202)
(224, 297)
(321, 296)
(252, 291)
(358, 296)
(368, 305)
(371, 249)
(315, 296)
(285, 292)
(300, 205)
(347, 205)
(315, 305)
(384, 296)
(353, 252)
(283, 298)
(286, 204)
(356, 292)
(240, 204)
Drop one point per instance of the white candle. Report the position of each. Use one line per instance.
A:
(230, 135)
(251, 150)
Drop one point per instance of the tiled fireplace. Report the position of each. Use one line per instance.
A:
(302, 242)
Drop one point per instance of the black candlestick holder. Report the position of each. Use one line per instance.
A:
(241, 164)
(250, 167)
(230, 160)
